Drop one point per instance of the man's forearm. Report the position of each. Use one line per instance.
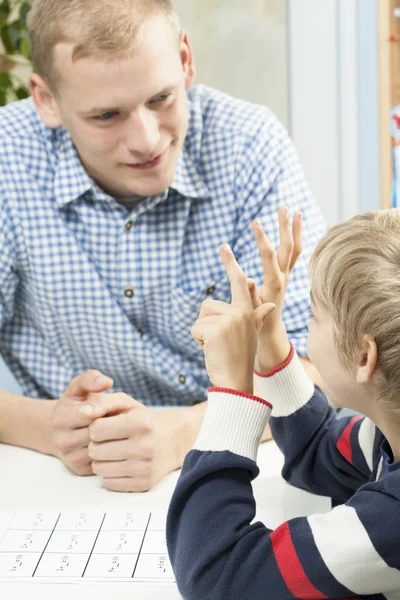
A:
(26, 422)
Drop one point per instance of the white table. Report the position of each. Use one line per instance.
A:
(29, 480)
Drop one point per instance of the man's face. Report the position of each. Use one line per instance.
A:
(128, 118)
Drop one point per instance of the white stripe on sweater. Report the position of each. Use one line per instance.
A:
(366, 437)
(287, 390)
(348, 553)
(232, 422)
(379, 469)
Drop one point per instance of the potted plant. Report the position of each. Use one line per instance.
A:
(15, 52)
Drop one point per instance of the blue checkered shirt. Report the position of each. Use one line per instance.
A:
(86, 284)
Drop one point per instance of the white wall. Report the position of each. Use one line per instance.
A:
(241, 48)
(334, 117)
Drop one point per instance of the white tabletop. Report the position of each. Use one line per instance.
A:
(32, 481)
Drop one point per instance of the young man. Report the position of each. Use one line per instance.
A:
(118, 181)
(353, 551)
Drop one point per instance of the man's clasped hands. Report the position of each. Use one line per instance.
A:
(130, 445)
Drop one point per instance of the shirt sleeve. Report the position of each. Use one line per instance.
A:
(217, 551)
(269, 176)
(8, 267)
(323, 454)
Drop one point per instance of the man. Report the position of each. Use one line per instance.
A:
(119, 180)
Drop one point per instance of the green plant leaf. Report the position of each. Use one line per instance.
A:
(23, 11)
(14, 34)
(4, 13)
(25, 48)
(5, 80)
(22, 93)
(7, 43)
(3, 98)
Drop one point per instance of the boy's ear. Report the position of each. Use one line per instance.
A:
(368, 360)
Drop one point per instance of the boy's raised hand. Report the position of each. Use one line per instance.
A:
(273, 345)
(229, 332)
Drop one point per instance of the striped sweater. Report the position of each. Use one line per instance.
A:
(352, 551)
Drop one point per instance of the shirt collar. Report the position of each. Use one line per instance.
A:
(71, 181)
(187, 180)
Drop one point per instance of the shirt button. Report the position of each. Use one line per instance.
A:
(182, 379)
(128, 225)
(129, 293)
(140, 332)
(211, 290)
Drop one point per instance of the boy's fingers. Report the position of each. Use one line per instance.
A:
(88, 382)
(206, 327)
(262, 313)
(297, 238)
(255, 298)
(213, 307)
(267, 253)
(286, 243)
(239, 289)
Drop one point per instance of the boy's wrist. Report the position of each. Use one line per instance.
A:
(273, 350)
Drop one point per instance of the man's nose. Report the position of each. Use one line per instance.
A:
(143, 135)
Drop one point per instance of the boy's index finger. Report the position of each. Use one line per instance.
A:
(239, 289)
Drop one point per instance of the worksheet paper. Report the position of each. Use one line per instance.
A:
(88, 546)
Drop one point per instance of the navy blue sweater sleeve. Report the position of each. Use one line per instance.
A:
(323, 454)
(217, 551)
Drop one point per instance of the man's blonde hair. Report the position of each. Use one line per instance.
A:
(108, 28)
(355, 275)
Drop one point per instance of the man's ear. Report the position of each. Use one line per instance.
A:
(368, 360)
(187, 59)
(45, 101)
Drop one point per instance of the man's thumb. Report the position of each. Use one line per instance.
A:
(90, 382)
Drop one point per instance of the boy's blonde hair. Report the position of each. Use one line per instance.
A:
(355, 275)
(96, 27)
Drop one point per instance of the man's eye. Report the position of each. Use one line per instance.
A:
(160, 98)
(106, 116)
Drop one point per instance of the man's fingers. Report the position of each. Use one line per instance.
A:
(239, 290)
(117, 427)
(114, 450)
(89, 382)
(113, 468)
(101, 405)
(68, 441)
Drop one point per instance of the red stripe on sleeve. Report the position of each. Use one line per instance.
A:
(290, 566)
(343, 443)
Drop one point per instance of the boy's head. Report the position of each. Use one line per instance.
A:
(355, 281)
(115, 75)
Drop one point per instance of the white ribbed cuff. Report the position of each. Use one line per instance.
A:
(287, 388)
(233, 421)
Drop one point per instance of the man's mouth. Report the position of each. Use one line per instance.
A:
(150, 164)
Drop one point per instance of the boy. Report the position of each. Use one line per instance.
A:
(353, 551)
